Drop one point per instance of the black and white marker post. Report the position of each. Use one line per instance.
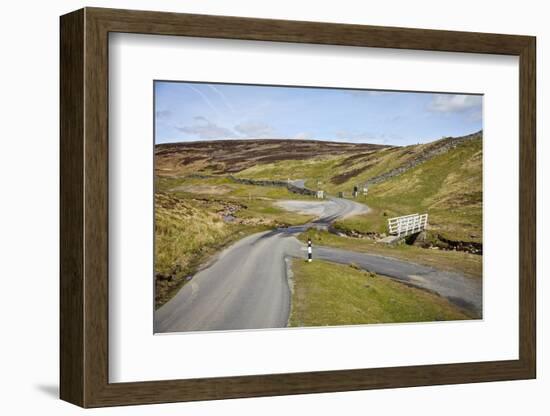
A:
(309, 250)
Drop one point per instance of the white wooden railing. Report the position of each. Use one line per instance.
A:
(408, 224)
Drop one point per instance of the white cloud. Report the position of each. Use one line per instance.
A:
(251, 129)
(453, 103)
(205, 129)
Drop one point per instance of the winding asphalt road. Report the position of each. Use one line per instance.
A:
(246, 287)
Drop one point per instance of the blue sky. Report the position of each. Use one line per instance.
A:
(186, 111)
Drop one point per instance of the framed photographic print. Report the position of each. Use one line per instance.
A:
(255, 207)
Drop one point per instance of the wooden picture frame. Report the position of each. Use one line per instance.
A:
(84, 207)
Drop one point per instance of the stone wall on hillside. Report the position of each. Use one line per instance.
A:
(443, 146)
(265, 182)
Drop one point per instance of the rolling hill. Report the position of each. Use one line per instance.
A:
(443, 177)
(232, 156)
(196, 192)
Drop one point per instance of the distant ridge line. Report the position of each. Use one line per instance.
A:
(274, 140)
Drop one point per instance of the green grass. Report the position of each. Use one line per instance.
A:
(455, 261)
(375, 221)
(327, 169)
(448, 187)
(189, 227)
(222, 186)
(256, 202)
(312, 170)
(186, 233)
(267, 213)
(377, 164)
(333, 294)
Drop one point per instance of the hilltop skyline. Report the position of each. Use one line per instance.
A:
(189, 111)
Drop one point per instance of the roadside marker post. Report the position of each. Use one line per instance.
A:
(309, 250)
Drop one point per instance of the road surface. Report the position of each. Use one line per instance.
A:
(246, 287)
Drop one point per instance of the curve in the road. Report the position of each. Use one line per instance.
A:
(246, 286)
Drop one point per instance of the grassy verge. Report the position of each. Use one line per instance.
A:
(375, 221)
(333, 294)
(457, 261)
(190, 225)
(186, 234)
